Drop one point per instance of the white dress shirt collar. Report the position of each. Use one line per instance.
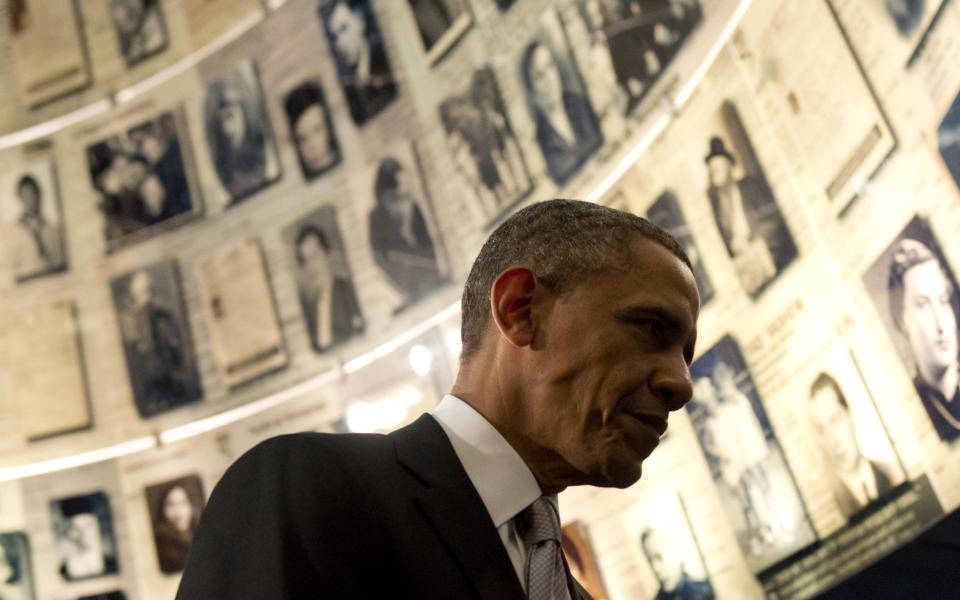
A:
(504, 482)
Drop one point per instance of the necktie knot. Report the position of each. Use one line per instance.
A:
(540, 522)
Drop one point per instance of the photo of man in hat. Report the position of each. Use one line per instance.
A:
(746, 211)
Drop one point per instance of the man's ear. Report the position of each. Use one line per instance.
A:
(511, 300)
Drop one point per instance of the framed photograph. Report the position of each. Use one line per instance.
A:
(914, 291)
(239, 137)
(360, 54)
(669, 559)
(144, 179)
(665, 213)
(83, 530)
(311, 129)
(567, 129)
(175, 507)
(860, 465)
(401, 227)
(440, 23)
(484, 148)
(49, 50)
(16, 569)
(242, 317)
(759, 495)
(47, 378)
(32, 221)
(948, 139)
(141, 31)
(331, 309)
(745, 210)
(581, 559)
(156, 339)
(640, 38)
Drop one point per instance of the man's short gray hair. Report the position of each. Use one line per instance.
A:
(562, 242)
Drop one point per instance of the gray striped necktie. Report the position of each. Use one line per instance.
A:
(539, 526)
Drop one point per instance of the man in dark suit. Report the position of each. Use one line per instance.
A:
(855, 479)
(578, 328)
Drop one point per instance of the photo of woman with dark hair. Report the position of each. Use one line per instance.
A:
(311, 129)
(175, 512)
(30, 222)
(567, 129)
(401, 242)
(238, 133)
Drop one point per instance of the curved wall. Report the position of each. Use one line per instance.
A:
(216, 259)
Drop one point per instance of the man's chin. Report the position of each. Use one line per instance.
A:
(621, 475)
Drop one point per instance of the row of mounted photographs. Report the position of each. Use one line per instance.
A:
(145, 179)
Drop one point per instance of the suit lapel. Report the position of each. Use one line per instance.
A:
(454, 509)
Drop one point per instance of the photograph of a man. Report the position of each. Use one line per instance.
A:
(238, 131)
(566, 127)
(361, 57)
(744, 208)
(856, 480)
(156, 339)
(328, 297)
(32, 231)
(311, 129)
(665, 212)
(578, 330)
(668, 566)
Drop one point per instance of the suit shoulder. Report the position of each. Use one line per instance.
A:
(316, 448)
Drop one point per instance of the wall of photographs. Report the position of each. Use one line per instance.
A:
(224, 223)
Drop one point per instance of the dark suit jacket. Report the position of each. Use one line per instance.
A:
(849, 505)
(349, 516)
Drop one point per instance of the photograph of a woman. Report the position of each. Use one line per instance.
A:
(175, 508)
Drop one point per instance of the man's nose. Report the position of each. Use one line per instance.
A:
(672, 384)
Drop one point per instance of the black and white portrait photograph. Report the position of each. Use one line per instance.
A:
(238, 131)
(948, 139)
(175, 508)
(670, 560)
(484, 148)
(641, 38)
(156, 339)
(361, 56)
(758, 492)
(16, 570)
(241, 315)
(331, 309)
(567, 129)
(32, 222)
(915, 293)
(665, 212)
(859, 463)
(440, 23)
(83, 531)
(401, 228)
(141, 31)
(745, 210)
(144, 180)
(311, 129)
